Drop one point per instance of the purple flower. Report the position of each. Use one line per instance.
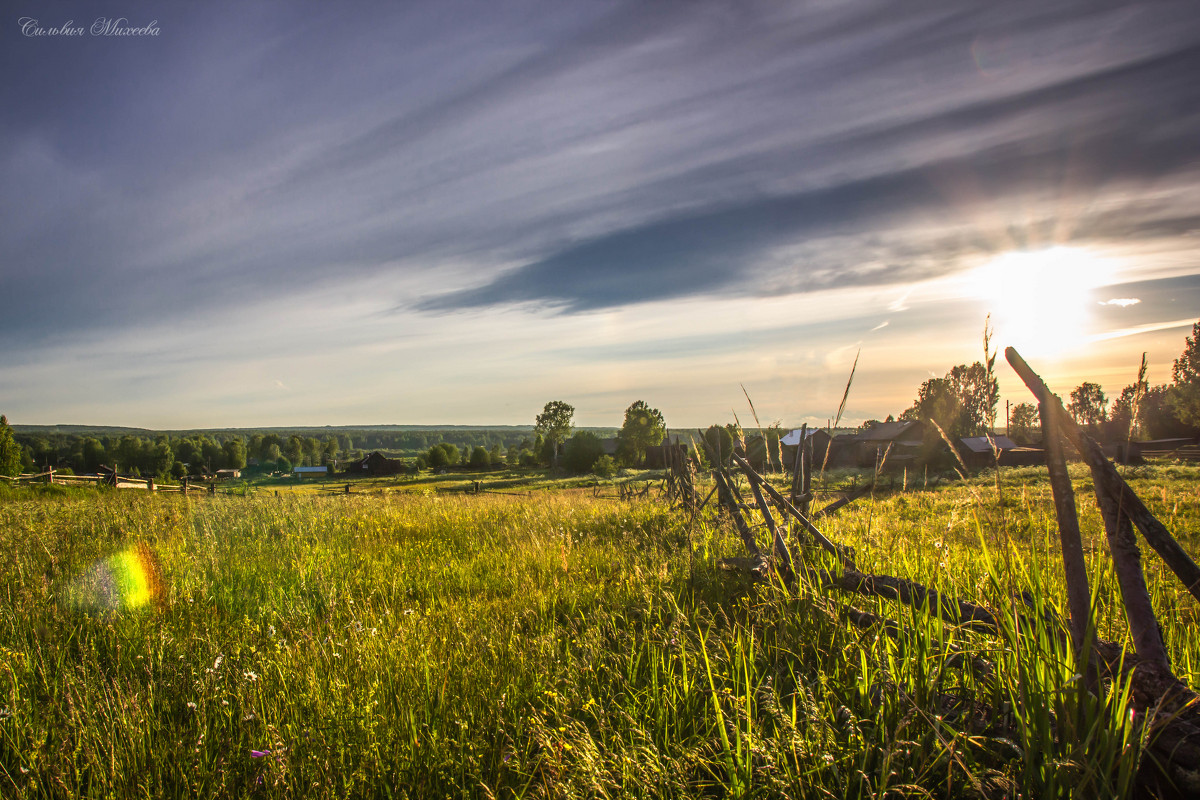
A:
(259, 753)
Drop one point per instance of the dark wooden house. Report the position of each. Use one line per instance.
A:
(376, 463)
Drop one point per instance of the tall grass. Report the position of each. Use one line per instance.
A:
(414, 646)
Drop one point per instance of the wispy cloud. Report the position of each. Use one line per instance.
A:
(1140, 329)
(1123, 302)
(519, 163)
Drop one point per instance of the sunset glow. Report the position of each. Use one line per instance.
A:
(1041, 301)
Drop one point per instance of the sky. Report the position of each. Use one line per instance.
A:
(265, 214)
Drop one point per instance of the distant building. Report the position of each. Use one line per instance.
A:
(656, 455)
(901, 441)
(821, 442)
(228, 474)
(308, 471)
(375, 463)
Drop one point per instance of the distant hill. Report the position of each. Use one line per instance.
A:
(82, 430)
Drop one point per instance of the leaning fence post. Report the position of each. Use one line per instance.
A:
(1079, 597)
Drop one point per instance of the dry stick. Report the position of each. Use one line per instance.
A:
(905, 591)
(1079, 597)
(758, 480)
(1127, 561)
(806, 487)
(1105, 475)
(953, 450)
(838, 419)
(726, 496)
(850, 497)
(947, 609)
(761, 437)
(1135, 408)
(781, 549)
(798, 465)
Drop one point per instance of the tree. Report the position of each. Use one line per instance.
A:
(581, 452)
(129, 454)
(480, 459)
(312, 451)
(1087, 406)
(605, 467)
(1023, 421)
(644, 427)
(294, 451)
(10, 451)
(94, 454)
(978, 392)
(437, 457)
(1158, 415)
(235, 453)
(720, 440)
(330, 450)
(1123, 417)
(962, 403)
(453, 456)
(161, 458)
(1185, 398)
(554, 425)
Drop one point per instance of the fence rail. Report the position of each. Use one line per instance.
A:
(53, 477)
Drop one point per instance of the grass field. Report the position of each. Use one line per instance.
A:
(556, 645)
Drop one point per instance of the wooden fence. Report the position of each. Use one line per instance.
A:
(1173, 707)
(54, 477)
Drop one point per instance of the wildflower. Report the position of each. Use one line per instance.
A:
(259, 753)
(191, 705)
(250, 675)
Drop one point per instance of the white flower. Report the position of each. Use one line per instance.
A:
(250, 675)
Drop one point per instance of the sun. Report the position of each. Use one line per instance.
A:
(1040, 300)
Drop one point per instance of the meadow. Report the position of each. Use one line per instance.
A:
(418, 644)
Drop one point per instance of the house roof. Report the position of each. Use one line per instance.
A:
(886, 431)
(793, 438)
(980, 444)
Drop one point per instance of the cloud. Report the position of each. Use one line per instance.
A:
(1140, 329)
(1123, 302)
(553, 159)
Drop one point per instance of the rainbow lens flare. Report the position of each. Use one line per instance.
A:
(125, 581)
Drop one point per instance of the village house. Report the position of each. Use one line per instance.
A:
(902, 441)
(821, 442)
(376, 463)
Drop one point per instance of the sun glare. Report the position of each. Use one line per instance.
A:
(1040, 301)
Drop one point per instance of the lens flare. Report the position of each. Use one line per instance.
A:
(125, 581)
(1041, 301)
